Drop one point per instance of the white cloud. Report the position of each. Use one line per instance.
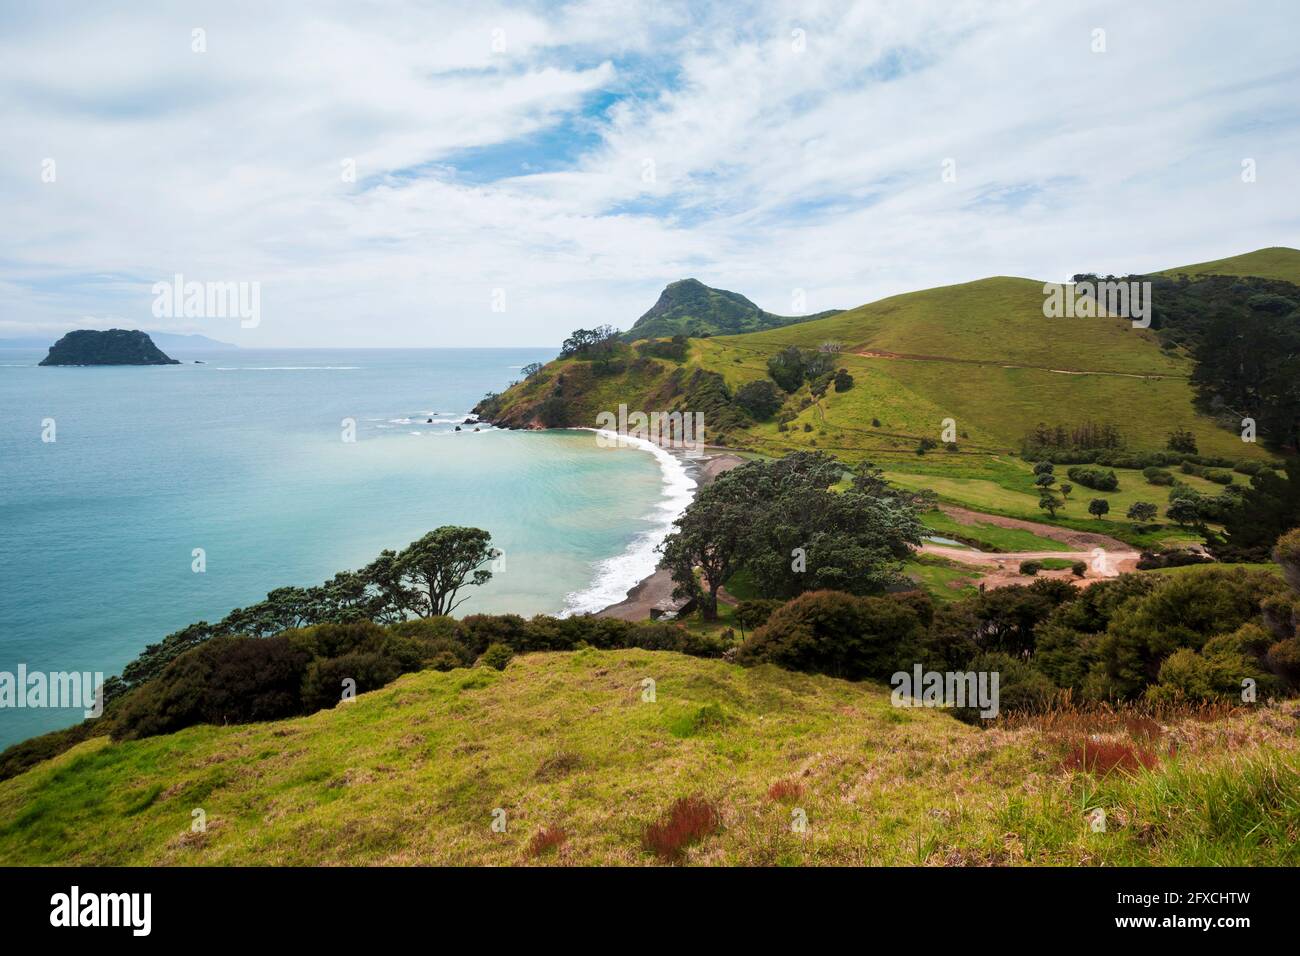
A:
(775, 168)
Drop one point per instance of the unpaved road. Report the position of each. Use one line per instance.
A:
(904, 356)
(1105, 556)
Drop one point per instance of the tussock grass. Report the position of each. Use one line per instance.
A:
(564, 743)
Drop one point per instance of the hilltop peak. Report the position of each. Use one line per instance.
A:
(689, 307)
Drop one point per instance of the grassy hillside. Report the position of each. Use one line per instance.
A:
(413, 773)
(980, 353)
(1275, 262)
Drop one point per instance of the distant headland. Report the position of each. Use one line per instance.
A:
(114, 347)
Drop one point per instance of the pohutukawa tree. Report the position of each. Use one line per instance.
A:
(781, 522)
(436, 567)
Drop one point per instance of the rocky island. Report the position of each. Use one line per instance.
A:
(114, 347)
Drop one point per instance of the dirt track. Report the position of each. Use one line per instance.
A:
(882, 354)
(1105, 556)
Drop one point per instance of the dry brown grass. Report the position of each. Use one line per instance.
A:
(545, 839)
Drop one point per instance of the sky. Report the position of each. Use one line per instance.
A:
(477, 174)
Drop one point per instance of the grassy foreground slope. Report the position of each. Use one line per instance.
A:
(412, 774)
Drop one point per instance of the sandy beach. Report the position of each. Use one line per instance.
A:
(656, 591)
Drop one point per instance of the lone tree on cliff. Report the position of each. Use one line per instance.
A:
(437, 566)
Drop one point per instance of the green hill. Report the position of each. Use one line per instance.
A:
(981, 353)
(691, 308)
(413, 773)
(1275, 262)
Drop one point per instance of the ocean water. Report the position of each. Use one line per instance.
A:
(245, 458)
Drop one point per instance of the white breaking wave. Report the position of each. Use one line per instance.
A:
(615, 576)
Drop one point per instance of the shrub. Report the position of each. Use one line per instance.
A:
(754, 614)
(477, 631)
(1030, 567)
(1284, 659)
(674, 349)
(1181, 440)
(689, 820)
(1158, 476)
(497, 656)
(227, 680)
(760, 399)
(335, 640)
(829, 632)
(1079, 568)
(1093, 478)
(1287, 555)
(1021, 688)
(1181, 612)
(323, 685)
(1175, 558)
(1044, 468)
(1142, 511)
(843, 380)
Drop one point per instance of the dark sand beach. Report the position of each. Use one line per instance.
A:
(656, 591)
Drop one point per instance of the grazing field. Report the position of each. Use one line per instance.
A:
(990, 537)
(1275, 262)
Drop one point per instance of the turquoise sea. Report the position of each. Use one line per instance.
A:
(244, 458)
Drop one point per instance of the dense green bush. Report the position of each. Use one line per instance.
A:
(1030, 567)
(1287, 555)
(327, 679)
(497, 657)
(754, 614)
(674, 349)
(759, 399)
(1021, 688)
(227, 680)
(1094, 478)
(1183, 612)
(828, 632)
